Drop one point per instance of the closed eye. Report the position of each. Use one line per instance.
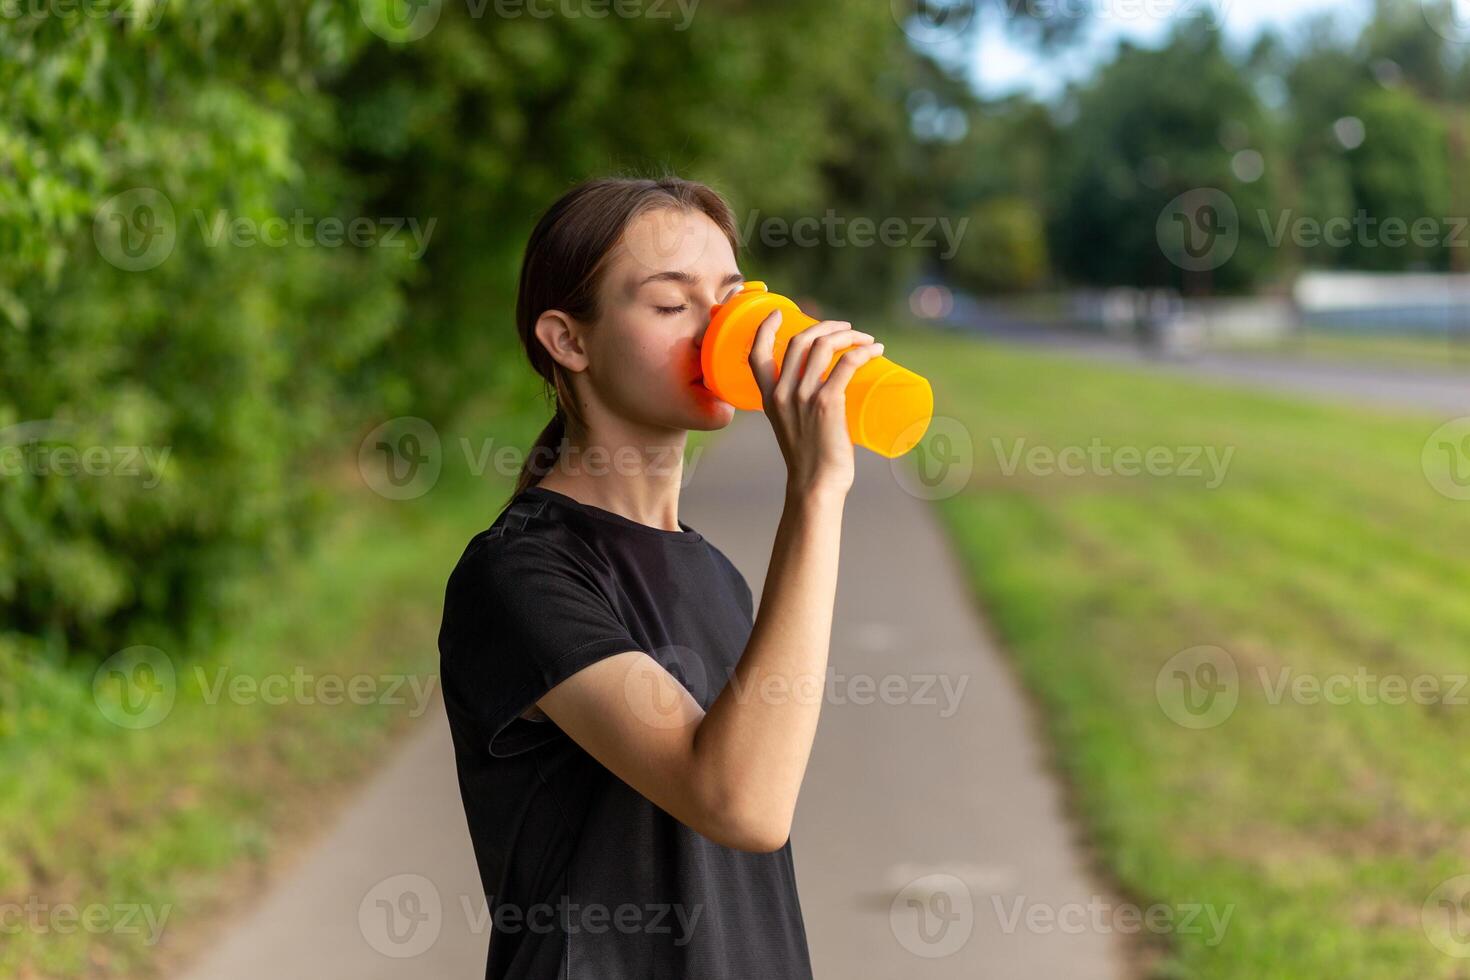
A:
(672, 310)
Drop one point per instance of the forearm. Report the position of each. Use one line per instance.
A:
(752, 747)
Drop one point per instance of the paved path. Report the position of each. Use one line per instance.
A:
(927, 822)
(1444, 390)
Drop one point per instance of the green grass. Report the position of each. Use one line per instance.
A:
(1324, 827)
(180, 816)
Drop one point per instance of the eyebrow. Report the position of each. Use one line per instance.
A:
(678, 275)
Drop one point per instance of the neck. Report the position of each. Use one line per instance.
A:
(638, 478)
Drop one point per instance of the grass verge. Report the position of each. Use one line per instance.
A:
(1227, 661)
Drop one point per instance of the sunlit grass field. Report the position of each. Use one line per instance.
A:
(1322, 822)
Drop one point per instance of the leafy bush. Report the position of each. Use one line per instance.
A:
(161, 385)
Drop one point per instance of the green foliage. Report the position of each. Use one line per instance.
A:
(171, 377)
(1004, 249)
(1156, 124)
(1352, 130)
(1400, 172)
(480, 125)
(154, 414)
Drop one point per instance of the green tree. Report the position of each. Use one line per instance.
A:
(1399, 173)
(1004, 248)
(1153, 125)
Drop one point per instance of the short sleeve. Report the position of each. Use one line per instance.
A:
(521, 615)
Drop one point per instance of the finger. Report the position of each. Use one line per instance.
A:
(847, 366)
(795, 356)
(819, 358)
(762, 353)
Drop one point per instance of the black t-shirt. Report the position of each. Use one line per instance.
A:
(585, 878)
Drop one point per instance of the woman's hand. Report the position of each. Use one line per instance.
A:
(808, 414)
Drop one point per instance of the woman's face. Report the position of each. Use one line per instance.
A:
(671, 266)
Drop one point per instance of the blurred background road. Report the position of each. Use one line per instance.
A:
(1441, 387)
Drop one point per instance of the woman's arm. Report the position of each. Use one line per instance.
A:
(734, 774)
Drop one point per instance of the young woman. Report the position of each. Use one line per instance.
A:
(630, 739)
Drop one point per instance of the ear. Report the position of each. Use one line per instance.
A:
(561, 336)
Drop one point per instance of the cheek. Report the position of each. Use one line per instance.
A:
(640, 365)
(644, 362)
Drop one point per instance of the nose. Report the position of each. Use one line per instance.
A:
(699, 337)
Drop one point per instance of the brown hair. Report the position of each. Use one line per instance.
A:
(565, 259)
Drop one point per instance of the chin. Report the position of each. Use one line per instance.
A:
(711, 412)
(711, 423)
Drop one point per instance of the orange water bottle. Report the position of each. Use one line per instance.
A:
(888, 406)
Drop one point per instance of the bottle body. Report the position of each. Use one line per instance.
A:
(888, 406)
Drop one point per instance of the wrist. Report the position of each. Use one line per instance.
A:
(816, 496)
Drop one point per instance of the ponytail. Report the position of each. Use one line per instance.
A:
(543, 454)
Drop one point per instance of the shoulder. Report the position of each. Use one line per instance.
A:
(525, 540)
(741, 586)
(515, 582)
(723, 560)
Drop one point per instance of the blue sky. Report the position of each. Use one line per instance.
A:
(999, 65)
